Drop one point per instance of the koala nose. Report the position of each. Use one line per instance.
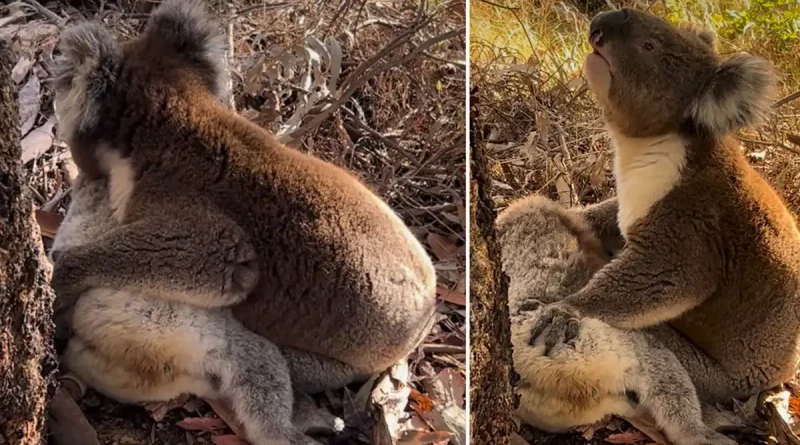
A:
(604, 23)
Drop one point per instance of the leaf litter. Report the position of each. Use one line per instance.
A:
(344, 82)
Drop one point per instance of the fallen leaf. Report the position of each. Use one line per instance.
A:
(443, 247)
(21, 69)
(452, 296)
(38, 141)
(229, 439)
(794, 405)
(202, 424)
(626, 438)
(418, 437)
(423, 402)
(564, 191)
(446, 389)
(226, 414)
(29, 104)
(48, 222)
(390, 398)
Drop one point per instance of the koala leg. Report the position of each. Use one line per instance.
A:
(313, 373)
(712, 382)
(198, 258)
(138, 349)
(667, 391)
(608, 371)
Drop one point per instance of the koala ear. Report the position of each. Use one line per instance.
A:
(704, 34)
(189, 30)
(739, 94)
(83, 76)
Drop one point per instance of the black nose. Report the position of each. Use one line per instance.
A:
(605, 23)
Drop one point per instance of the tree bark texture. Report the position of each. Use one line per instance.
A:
(491, 397)
(27, 359)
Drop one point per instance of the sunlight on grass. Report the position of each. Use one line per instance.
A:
(552, 35)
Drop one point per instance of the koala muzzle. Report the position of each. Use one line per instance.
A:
(605, 24)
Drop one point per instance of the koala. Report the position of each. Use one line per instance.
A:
(550, 252)
(214, 212)
(710, 248)
(135, 347)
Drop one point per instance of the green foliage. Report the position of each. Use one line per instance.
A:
(774, 21)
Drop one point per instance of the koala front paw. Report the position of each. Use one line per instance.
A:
(66, 282)
(241, 272)
(557, 324)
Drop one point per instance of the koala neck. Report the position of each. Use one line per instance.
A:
(645, 169)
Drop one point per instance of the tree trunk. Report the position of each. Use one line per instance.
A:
(27, 359)
(491, 397)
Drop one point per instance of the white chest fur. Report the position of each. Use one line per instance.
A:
(120, 181)
(645, 169)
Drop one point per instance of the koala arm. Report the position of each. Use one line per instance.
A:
(602, 217)
(197, 260)
(650, 282)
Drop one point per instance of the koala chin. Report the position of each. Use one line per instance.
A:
(549, 252)
(213, 212)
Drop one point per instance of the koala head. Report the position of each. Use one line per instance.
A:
(98, 81)
(652, 78)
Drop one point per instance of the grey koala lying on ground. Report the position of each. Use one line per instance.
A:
(135, 347)
(548, 253)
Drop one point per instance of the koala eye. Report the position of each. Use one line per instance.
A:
(648, 46)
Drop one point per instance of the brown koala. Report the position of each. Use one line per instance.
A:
(710, 248)
(136, 348)
(549, 252)
(214, 212)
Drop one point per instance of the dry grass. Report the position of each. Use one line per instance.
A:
(375, 87)
(544, 132)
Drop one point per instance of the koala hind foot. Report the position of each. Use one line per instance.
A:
(241, 271)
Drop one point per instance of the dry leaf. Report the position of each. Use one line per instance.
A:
(29, 104)
(564, 191)
(21, 69)
(794, 405)
(443, 247)
(390, 397)
(417, 437)
(202, 424)
(452, 296)
(226, 414)
(38, 141)
(49, 222)
(627, 438)
(229, 439)
(423, 402)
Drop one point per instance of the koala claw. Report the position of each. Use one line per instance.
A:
(558, 324)
(242, 274)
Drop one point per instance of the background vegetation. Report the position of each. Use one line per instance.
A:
(544, 131)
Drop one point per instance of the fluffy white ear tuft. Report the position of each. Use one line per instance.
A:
(187, 27)
(83, 77)
(739, 95)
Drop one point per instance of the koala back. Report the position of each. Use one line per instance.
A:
(341, 274)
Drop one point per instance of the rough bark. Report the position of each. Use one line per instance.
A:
(491, 397)
(27, 360)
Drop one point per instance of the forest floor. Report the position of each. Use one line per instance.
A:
(401, 131)
(544, 132)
